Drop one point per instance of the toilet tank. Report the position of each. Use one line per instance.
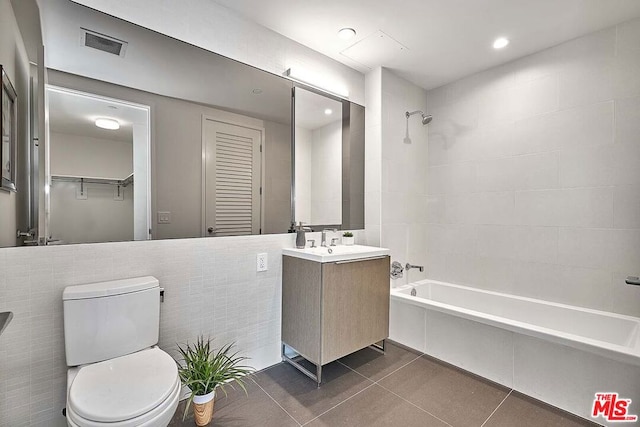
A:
(110, 319)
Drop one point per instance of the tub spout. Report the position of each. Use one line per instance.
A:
(409, 267)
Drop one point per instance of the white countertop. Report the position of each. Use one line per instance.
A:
(339, 253)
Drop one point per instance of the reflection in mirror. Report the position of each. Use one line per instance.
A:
(192, 95)
(318, 159)
(98, 168)
(186, 89)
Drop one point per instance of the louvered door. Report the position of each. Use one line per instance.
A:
(232, 179)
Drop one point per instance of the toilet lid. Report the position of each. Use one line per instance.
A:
(125, 387)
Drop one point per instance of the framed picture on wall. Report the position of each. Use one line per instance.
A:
(8, 131)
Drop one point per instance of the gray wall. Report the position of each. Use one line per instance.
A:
(13, 58)
(98, 218)
(534, 185)
(277, 169)
(176, 134)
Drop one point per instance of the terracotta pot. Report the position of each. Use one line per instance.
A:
(203, 408)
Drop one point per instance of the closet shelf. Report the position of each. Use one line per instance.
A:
(93, 180)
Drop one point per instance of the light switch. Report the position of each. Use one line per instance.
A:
(164, 217)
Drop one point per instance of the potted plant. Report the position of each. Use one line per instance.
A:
(347, 238)
(204, 370)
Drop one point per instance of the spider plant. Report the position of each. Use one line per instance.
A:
(203, 369)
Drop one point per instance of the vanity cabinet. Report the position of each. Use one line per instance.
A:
(331, 309)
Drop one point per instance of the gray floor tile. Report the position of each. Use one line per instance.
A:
(238, 409)
(524, 411)
(455, 396)
(373, 407)
(374, 365)
(300, 395)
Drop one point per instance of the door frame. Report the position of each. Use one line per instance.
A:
(203, 185)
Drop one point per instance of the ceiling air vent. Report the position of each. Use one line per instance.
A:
(102, 42)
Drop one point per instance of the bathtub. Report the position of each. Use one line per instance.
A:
(557, 353)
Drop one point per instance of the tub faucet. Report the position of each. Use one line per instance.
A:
(323, 242)
(409, 267)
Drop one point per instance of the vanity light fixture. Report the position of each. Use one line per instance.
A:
(347, 33)
(328, 111)
(500, 43)
(109, 124)
(318, 81)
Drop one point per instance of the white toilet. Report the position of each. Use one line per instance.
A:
(117, 375)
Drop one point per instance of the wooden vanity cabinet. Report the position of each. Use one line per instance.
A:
(333, 309)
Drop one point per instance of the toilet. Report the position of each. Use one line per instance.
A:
(117, 375)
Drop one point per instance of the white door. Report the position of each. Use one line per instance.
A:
(232, 182)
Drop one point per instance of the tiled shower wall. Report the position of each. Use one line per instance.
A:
(533, 176)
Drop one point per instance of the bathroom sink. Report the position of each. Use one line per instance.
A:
(338, 253)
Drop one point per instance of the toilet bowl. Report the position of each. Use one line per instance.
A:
(139, 389)
(117, 376)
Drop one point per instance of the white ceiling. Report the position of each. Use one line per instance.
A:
(444, 39)
(76, 114)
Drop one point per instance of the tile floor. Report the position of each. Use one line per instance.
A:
(400, 388)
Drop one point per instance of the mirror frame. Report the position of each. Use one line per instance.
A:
(346, 223)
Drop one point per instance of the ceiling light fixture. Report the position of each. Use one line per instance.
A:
(109, 124)
(500, 42)
(328, 111)
(347, 33)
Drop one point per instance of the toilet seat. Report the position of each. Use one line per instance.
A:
(139, 389)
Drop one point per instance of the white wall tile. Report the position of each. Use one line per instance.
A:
(586, 125)
(496, 241)
(496, 175)
(584, 247)
(494, 208)
(625, 159)
(627, 120)
(535, 97)
(626, 69)
(536, 244)
(586, 81)
(553, 140)
(626, 206)
(536, 171)
(586, 166)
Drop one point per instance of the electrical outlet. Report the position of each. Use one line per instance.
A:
(262, 262)
(164, 217)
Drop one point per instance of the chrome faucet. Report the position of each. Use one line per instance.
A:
(409, 267)
(323, 242)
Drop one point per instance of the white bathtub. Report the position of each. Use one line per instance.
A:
(557, 353)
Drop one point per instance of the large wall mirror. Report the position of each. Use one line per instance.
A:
(191, 144)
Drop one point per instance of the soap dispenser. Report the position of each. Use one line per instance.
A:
(301, 240)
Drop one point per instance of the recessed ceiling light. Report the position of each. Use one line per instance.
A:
(347, 33)
(500, 42)
(257, 91)
(328, 111)
(108, 124)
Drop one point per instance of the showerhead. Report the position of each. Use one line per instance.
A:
(426, 118)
